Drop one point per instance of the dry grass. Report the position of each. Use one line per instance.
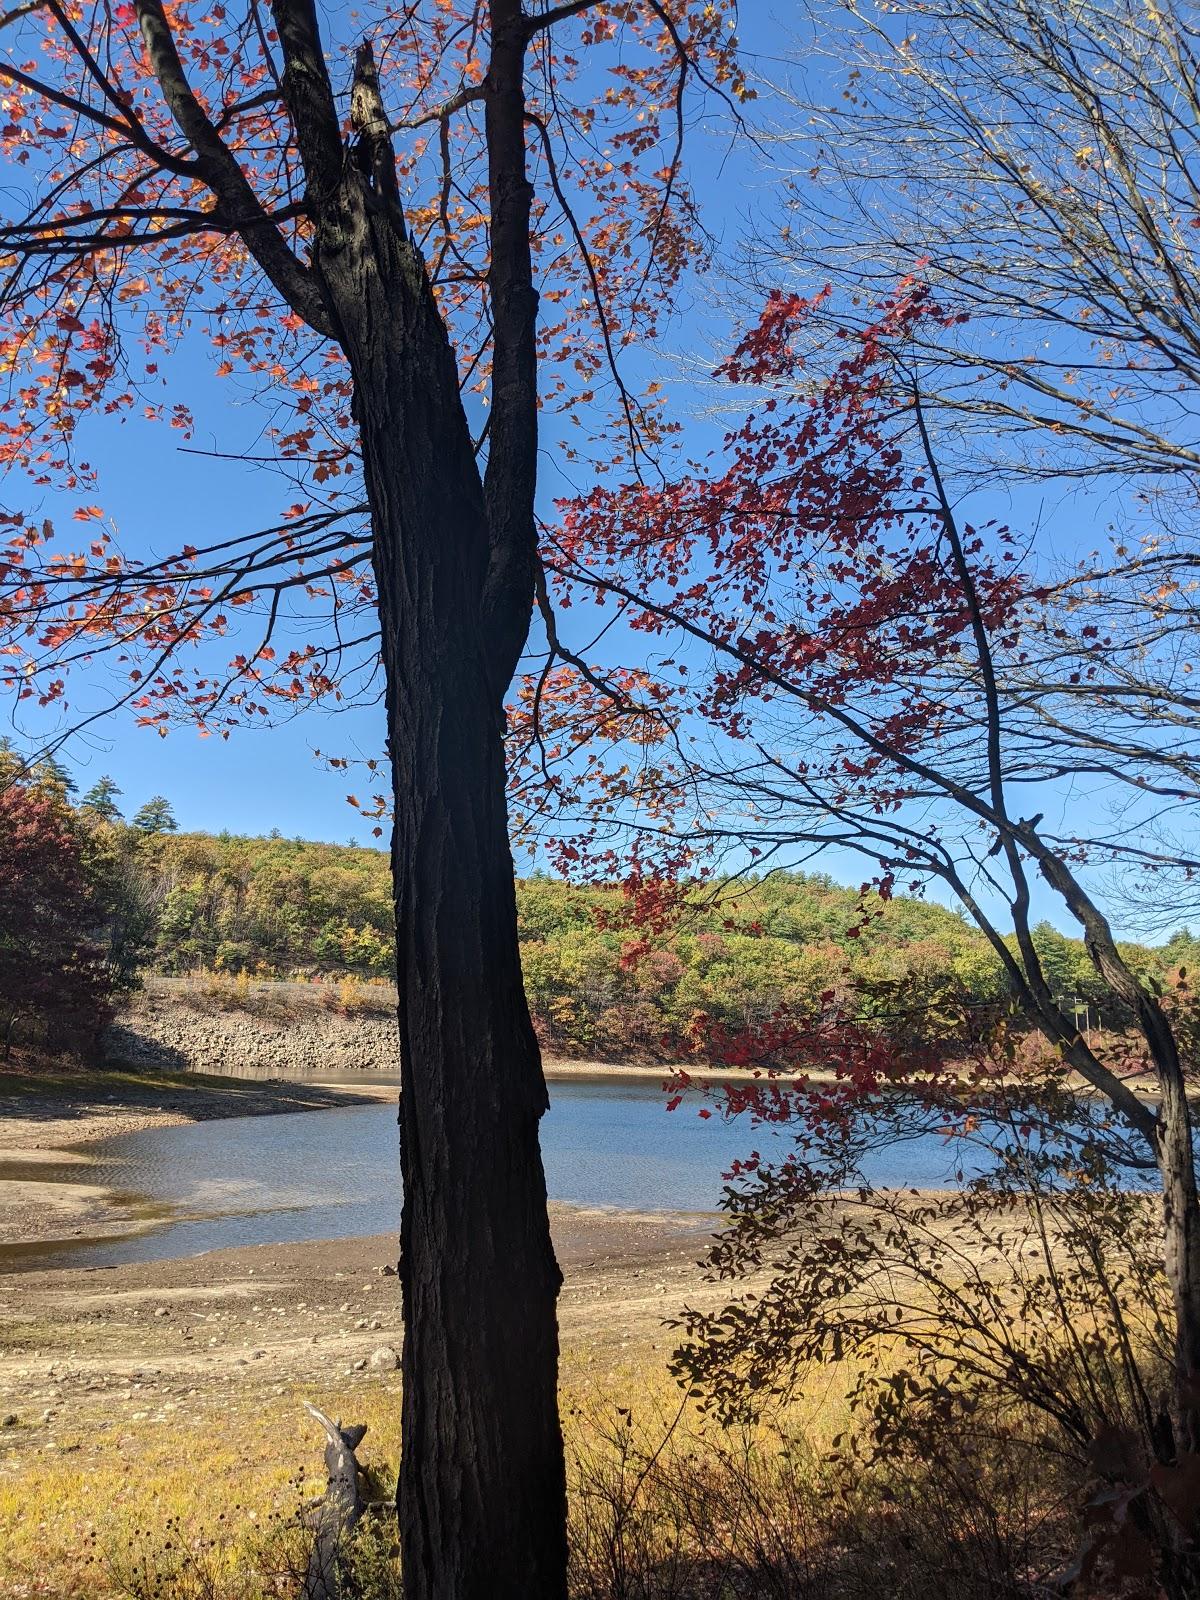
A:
(665, 1504)
(278, 999)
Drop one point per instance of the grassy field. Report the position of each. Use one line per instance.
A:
(203, 1500)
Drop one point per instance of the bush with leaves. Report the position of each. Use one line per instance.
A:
(1027, 1305)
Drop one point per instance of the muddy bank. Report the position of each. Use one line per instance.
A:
(218, 1328)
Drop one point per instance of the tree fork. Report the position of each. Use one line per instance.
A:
(251, 117)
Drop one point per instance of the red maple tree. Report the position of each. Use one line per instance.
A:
(838, 657)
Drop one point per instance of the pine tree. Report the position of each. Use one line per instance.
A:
(155, 816)
(50, 771)
(101, 799)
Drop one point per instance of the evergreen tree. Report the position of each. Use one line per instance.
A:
(155, 816)
(49, 770)
(101, 799)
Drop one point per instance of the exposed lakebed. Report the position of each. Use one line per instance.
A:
(334, 1174)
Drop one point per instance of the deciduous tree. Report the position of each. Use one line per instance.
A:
(54, 985)
(844, 660)
(361, 228)
(1039, 162)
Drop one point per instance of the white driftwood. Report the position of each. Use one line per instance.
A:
(337, 1511)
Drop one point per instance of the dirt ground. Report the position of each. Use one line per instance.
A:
(139, 1400)
(153, 1399)
(151, 1396)
(299, 1313)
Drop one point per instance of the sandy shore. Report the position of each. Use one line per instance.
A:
(89, 1353)
(302, 1313)
(135, 1392)
(301, 1308)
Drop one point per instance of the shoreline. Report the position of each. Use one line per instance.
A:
(50, 1119)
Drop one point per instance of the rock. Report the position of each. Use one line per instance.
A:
(9, 1420)
(161, 1311)
(385, 1358)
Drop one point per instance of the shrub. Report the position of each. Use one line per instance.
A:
(1022, 1319)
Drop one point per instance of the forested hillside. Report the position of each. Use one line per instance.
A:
(276, 907)
(737, 954)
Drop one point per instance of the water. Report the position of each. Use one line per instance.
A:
(335, 1174)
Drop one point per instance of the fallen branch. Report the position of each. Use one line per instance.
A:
(338, 1510)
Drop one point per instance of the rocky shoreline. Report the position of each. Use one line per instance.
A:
(159, 1030)
(285, 1031)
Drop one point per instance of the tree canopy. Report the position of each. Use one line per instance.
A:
(55, 983)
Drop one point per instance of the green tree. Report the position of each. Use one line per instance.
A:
(101, 798)
(49, 771)
(155, 816)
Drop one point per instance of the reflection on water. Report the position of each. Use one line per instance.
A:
(335, 1174)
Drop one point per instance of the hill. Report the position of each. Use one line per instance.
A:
(288, 908)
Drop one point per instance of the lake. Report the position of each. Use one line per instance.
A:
(334, 1174)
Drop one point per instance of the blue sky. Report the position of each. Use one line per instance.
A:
(161, 495)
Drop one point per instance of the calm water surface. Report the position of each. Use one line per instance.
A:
(334, 1174)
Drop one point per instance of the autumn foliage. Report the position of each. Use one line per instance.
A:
(139, 302)
(54, 982)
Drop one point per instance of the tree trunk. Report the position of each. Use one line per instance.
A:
(482, 1496)
(1171, 1134)
(1181, 1238)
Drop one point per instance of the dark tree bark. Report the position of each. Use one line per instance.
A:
(482, 1495)
(482, 1487)
(482, 1498)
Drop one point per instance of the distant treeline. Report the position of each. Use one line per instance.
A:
(279, 907)
(739, 953)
